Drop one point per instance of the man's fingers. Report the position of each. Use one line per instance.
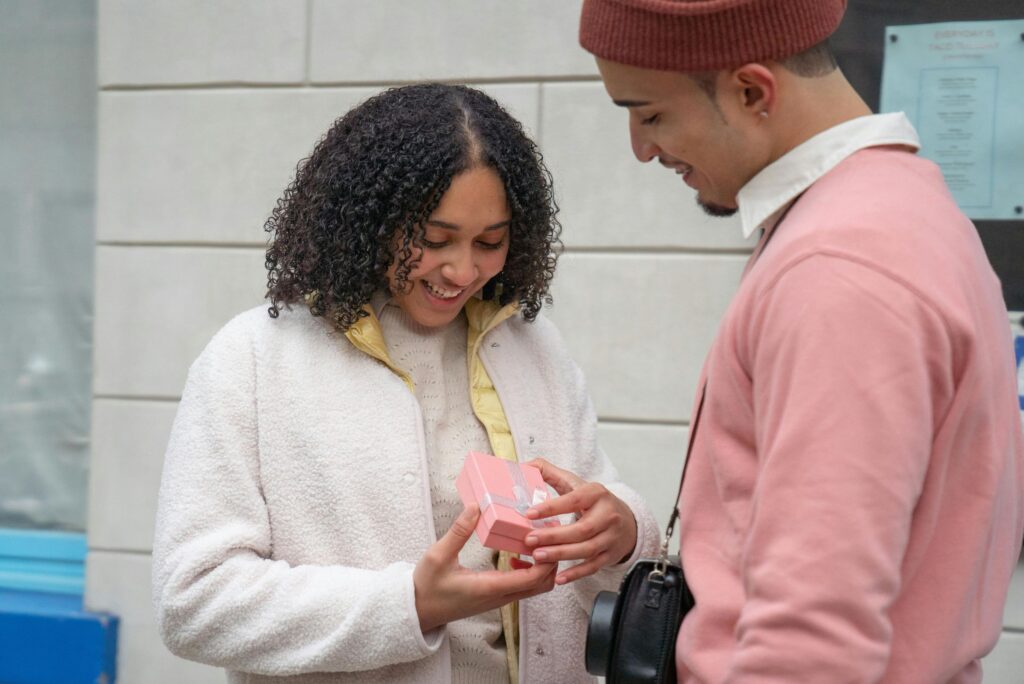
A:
(562, 481)
(459, 533)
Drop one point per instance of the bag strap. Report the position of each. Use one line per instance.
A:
(686, 464)
(758, 250)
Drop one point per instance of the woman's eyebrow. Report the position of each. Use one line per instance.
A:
(452, 226)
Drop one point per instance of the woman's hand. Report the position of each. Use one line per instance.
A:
(446, 591)
(604, 534)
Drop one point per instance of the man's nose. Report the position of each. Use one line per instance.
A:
(643, 149)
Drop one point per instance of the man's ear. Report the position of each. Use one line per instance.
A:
(755, 89)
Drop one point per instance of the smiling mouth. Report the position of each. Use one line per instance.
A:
(440, 292)
(686, 172)
(683, 169)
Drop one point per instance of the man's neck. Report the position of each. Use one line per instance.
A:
(814, 105)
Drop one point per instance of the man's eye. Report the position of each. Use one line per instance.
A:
(649, 120)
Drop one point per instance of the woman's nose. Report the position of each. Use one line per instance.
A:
(461, 269)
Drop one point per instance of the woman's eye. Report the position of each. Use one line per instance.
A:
(433, 245)
(491, 245)
(649, 120)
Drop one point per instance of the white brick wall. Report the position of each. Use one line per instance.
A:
(186, 42)
(205, 108)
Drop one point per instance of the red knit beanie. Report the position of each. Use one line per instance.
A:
(704, 35)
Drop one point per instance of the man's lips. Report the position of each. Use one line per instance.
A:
(680, 167)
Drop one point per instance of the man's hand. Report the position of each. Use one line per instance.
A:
(604, 534)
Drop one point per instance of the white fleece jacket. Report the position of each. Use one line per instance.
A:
(295, 503)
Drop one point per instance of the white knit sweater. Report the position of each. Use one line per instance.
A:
(436, 360)
(295, 503)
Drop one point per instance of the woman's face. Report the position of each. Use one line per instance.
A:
(464, 246)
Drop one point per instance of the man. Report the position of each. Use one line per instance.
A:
(853, 506)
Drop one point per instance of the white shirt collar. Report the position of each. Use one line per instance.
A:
(777, 184)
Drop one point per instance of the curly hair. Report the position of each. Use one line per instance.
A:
(375, 178)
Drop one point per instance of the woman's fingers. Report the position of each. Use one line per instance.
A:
(446, 591)
(449, 545)
(584, 569)
(583, 550)
(527, 579)
(579, 499)
(546, 584)
(562, 481)
(578, 531)
(496, 588)
(594, 539)
(598, 516)
(607, 524)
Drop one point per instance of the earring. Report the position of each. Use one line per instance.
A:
(763, 113)
(493, 289)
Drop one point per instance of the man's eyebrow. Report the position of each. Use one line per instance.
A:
(452, 226)
(631, 103)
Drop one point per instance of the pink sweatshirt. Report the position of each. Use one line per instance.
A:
(853, 508)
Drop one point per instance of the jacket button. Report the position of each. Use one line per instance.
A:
(539, 650)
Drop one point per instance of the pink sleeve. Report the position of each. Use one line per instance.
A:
(850, 371)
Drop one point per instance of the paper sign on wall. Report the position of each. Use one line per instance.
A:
(962, 86)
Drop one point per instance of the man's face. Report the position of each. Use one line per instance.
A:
(672, 119)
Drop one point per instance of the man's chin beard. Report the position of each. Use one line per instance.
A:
(712, 209)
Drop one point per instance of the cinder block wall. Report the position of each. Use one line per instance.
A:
(205, 108)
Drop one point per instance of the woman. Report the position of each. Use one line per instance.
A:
(308, 520)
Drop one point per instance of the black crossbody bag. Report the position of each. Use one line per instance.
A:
(631, 638)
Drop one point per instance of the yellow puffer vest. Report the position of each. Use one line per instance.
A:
(482, 316)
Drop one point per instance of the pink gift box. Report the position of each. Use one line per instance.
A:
(503, 490)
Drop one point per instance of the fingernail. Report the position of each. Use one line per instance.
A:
(540, 555)
(532, 513)
(560, 580)
(531, 540)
